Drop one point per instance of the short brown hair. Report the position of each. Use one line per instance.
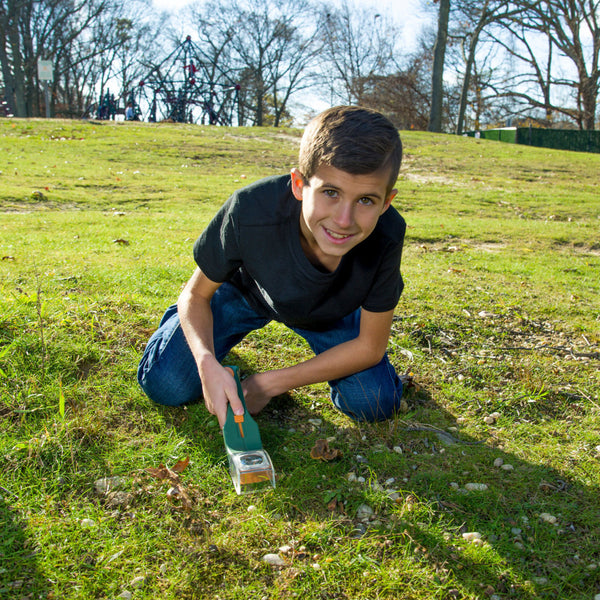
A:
(353, 139)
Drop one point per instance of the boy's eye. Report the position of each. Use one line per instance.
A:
(330, 193)
(366, 201)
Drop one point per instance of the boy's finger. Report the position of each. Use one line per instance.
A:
(236, 404)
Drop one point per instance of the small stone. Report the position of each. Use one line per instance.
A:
(125, 595)
(364, 512)
(352, 477)
(454, 485)
(274, 560)
(359, 530)
(592, 567)
(315, 422)
(316, 566)
(540, 580)
(361, 459)
(285, 549)
(496, 415)
(471, 536)
(548, 518)
(398, 449)
(519, 545)
(476, 487)
(251, 508)
(138, 582)
(507, 467)
(87, 523)
(107, 484)
(174, 492)
(498, 462)
(119, 500)
(597, 597)
(489, 420)
(390, 481)
(393, 495)
(360, 480)
(516, 531)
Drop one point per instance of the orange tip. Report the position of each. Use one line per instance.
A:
(239, 419)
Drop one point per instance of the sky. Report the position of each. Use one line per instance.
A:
(406, 13)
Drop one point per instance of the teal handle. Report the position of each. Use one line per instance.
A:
(231, 430)
(236, 376)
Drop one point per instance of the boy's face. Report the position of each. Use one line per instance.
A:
(339, 210)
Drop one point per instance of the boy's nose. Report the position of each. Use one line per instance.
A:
(344, 214)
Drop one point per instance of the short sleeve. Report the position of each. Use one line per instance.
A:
(217, 251)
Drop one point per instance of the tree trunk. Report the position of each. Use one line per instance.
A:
(589, 95)
(464, 93)
(437, 78)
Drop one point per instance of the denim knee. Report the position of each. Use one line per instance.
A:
(371, 395)
(167, 371)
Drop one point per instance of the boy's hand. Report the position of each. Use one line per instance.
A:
(220, 389)
(257, 392)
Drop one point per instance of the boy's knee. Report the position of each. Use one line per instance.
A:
(371, 395)
(364, 404)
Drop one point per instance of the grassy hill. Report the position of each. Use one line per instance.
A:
(499, 325)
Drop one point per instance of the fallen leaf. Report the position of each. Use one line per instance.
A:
(180, 465)
(322, 451)
(177, 492)
(121, 241)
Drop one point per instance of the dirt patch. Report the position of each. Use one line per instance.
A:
(457, 245)
(428, 179)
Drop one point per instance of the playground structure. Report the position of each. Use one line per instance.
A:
(181, 89)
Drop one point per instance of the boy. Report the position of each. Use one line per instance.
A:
(318, 250)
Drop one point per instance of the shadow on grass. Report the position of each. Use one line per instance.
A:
(19, 574)
(535, 527)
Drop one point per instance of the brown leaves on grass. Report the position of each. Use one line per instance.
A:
(322, 451)
(177, 491)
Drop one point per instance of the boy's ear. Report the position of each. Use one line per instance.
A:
(388, 200)
(298, 184)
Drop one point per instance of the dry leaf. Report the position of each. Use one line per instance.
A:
(177, 492)
(322, 451)
(180, 465)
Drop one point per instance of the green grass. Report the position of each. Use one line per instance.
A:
(500, 314)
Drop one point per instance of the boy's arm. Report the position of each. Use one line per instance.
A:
(218, 386)
(342, 360)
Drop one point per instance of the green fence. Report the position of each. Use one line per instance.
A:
(559, 139)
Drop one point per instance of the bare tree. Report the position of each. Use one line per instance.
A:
(437, 71)
(265, 45)
(358, 44)
(70, 33)
(573, 28)
(474, 17)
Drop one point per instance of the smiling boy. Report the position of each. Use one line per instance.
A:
(318, 250)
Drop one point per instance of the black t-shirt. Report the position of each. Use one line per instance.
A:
(254, 243)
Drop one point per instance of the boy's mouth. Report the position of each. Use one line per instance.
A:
(338, 236)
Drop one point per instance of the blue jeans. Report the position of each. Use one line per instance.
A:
(168, 373)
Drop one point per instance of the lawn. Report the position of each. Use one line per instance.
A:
(486, 485)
